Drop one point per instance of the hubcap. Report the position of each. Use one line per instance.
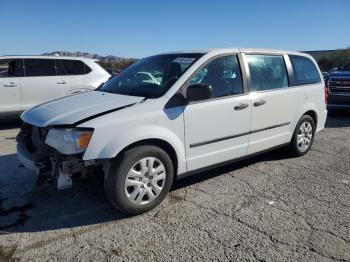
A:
(304, 136)
(145, 180)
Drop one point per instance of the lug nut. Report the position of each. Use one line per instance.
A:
(148, 184)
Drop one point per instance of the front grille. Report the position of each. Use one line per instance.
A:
(339, 85)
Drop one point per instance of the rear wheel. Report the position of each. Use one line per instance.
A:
(303, 136)
(139, 180)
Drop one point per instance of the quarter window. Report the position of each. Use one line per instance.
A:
(11, 68)
(223, 74)
(267, 72)
(39, 67)
(76, 67)
(305, 71)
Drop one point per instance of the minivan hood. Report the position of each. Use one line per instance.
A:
(73, 109)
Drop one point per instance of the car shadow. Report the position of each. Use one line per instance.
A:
(10, 124)
(27, 205)
(338, 119)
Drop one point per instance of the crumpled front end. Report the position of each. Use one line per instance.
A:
(34, 153)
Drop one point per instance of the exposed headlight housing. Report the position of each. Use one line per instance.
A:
(69, 141)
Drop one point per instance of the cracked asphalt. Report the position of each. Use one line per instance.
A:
(267, 208)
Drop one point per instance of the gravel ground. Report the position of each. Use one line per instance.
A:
(267, 208)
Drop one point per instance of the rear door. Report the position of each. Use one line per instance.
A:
(77, 71)
(274, 102)
(10, 95)
(41, 82)
(217, 130)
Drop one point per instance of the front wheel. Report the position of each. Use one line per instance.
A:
(139, 180)
(303, 136)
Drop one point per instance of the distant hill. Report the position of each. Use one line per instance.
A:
(322, 53)
(108, 58)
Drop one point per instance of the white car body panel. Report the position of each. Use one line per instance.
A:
(185, 125)
(207, 121)
(71, 109)
(10, 95)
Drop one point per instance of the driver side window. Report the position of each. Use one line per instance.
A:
(223, 74)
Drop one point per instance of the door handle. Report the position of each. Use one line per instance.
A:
(61, 82)
(259, 103)
(241, 106)
(10, 85)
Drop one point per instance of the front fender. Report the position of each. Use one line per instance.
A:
(107, 148)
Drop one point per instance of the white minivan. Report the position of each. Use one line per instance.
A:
(208, 108)
(26, 81)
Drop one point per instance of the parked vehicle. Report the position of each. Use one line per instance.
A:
(338, 83)
(210, 108)
(26, 81)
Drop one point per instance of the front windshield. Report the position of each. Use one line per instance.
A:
(152, 76)
(346, 67)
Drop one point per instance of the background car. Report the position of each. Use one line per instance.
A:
(338, 83)
(26, 81)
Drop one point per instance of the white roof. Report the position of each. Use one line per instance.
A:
(81, 58)
(245, 50)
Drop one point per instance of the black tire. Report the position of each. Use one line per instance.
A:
(114, 182)
(293, 148)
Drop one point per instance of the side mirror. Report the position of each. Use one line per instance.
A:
(197, 92)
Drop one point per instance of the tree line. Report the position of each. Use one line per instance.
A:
(334, 60)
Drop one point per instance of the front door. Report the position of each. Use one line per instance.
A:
(217, 130)
(10, 90)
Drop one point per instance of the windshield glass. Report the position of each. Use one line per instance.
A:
(346, 67)
(151, 76)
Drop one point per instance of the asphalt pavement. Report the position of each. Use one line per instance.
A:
(267, 208)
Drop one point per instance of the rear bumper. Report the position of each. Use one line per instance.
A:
(25, 157)
(339, 101)
(338, 106)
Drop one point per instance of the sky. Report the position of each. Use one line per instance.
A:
(136, 28)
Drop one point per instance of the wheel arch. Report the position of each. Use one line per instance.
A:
(314, 116)
(166, 146)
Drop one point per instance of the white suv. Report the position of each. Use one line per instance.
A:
(209, 108)
(26, 81)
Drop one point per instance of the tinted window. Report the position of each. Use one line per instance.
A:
(11, 68)
(39, 67)
(305, 71)
(74, 67)
(267, 72)
(223, 74)
(60, 70)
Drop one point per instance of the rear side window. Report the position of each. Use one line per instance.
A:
(60, 70)
(305, 71)
(267, 72)
(11, 68)
(39, 67)
(76, 67)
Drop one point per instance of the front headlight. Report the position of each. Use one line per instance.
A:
(69, 141)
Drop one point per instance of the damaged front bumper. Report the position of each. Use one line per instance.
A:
(34, 154)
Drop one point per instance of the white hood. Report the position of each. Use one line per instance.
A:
(72, 109)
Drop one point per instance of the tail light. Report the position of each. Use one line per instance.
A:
(326, 94)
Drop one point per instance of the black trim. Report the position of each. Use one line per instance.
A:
(235, 136)
(100, 114)
(203, 169)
